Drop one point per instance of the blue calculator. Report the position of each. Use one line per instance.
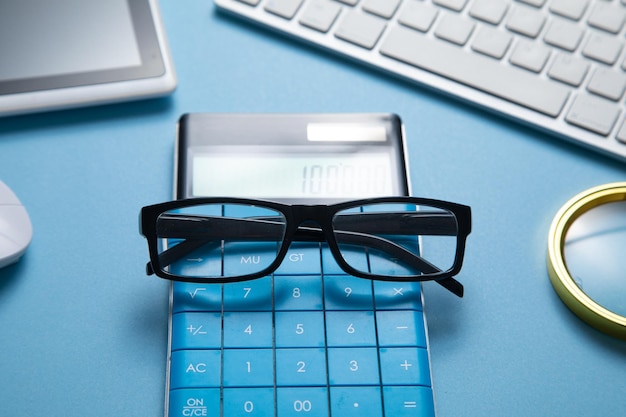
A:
(309, 340)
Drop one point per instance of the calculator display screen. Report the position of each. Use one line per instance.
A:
(293, 175)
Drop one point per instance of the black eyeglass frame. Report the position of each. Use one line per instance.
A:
(297, 214)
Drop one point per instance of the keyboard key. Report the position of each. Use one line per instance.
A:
(602, 48)
(536, 3)
(350, 328)
(404, 366)
(607, 83)
(526, 21)
(299, 329)
(356, 401)
(564, 34)
(456, 5)
(607, 17)
(298, 293)
(296, 402)
(418, 16)
(492, 42)
(248, 367)
(283, 8)
(250, 2)
(253, 402)
(454, 28)
(248, 330)
(360, 29)
(490, 11)
(195, 369)
(196, 331)
(400, 328)
(320, 15)
(531, 56)
(353, 366)
(593, 113)
(301, 367)
(568, 69)
(573, 9)
(476, 71)
(382, 8)
(409, 401)
(194, 402)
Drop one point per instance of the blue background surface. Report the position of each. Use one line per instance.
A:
(83, 330)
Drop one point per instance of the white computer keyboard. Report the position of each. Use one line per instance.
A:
(558, 65)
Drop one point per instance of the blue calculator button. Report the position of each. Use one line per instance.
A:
(194, 403)
(381, 263)
(354, 257)
(299, 329)
(247, 258)
(247, 330)
(298, 292)
(297, 402)
(255, 295)
(404, 366)
(401, 328)
(195, 369)
(397, 295)
(300, 367)
(350, 328)
(353, 366)
(248, 367)
(197, 297)
(301, 258)
(409, 401)
(356, 402)
(196, 331)
(199, 263)
(343, 292)
(253, 402)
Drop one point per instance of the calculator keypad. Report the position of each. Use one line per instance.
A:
(307, 341)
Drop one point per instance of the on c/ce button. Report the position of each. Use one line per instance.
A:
(194, 403)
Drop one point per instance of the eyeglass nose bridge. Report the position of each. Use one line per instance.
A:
(311, 223)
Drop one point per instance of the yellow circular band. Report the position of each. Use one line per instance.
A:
(571, 294)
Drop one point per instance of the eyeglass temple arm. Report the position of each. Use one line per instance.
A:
(425, 222)
(420, 223)
(257, 229)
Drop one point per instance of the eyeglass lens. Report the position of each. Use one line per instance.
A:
(227, 240)
(385, 239)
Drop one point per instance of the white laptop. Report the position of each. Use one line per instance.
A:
(58, 54)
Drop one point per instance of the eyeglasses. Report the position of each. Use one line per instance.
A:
(220, 240)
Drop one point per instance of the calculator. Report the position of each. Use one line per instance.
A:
(308, 340)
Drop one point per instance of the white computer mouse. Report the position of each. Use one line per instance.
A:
(16, 230)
